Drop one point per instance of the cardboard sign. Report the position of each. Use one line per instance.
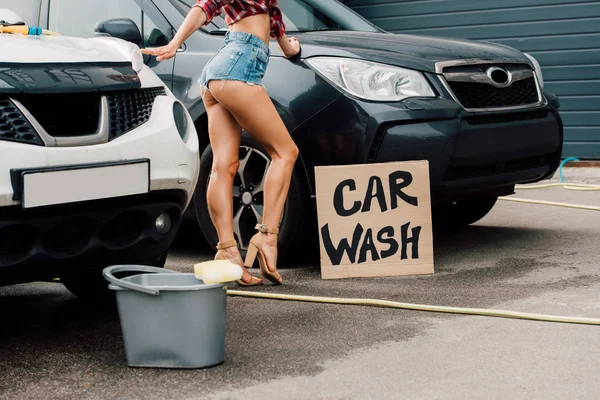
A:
(375, 220)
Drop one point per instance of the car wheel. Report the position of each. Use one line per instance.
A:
(90, 285)
(298, 221)
(462, 213)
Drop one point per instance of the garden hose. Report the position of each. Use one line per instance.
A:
(569, 186)
(550, 203)
(417, 307)
(562, 165)
(445, 309)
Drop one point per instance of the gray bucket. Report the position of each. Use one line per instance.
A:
(169, 319)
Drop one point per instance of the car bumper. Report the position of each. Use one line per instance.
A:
(173, 163)
(478, 155)
(41, 243)
(470, 155)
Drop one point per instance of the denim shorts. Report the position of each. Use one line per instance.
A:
(244, 57)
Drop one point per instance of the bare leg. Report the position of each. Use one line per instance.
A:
(225, 136)
(254, 111)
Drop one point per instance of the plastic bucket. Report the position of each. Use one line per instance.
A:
(169, 319)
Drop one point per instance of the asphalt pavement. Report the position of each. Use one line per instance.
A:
(520, 257)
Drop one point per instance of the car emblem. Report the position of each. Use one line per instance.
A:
(499, 76)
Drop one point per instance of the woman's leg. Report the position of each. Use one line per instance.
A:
(254, 111)
(225, 135)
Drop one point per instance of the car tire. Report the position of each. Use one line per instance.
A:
(462, 213)
(298, 225)
(89, 284)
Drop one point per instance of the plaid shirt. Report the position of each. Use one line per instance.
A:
(236, 10)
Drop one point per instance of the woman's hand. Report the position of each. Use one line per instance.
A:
(294, 46)
(289, 46)
(162, 53)
(194, 20)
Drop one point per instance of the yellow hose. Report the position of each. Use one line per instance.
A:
(417, 307)
(550, 203)
(568, 186)
(444, 309)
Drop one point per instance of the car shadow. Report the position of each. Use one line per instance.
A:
(51, 316)
(190, 239)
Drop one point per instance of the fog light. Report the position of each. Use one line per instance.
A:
(163, 223)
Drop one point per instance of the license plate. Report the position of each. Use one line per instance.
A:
(74, 184)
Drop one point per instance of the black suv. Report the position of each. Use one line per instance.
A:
(477, 111)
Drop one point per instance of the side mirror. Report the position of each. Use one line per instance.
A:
(121, 28)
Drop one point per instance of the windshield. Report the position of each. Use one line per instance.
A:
(300, 16)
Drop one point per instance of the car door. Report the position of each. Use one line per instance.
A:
(198, 49)
(154, 28)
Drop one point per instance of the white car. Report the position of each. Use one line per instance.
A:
(98, 160)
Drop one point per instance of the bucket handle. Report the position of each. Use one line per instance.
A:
(109, 271)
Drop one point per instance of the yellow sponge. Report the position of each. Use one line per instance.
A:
(217, 271)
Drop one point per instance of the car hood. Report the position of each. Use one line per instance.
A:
(409, 51)
(60, 49)
(45, 64)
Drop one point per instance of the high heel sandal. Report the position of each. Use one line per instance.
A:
(221, 255)
(255, 251)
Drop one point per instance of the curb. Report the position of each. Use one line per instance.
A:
(582, 164)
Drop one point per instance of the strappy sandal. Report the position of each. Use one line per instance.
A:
(255, 251)
(221, 255)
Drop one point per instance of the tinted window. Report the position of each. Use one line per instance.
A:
(184, 7)
(154, 35)
(299, 16)
(79, 17)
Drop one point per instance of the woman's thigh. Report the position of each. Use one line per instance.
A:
(225, 133)
(254, 111)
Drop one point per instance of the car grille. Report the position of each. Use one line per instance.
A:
(75, 115)
(483, 95)
(130, 109)
(473, 87)
(13, 125)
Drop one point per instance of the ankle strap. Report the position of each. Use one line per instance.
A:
(262, 228)
(226, 245)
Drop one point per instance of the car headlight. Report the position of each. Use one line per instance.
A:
(181, 121)
(372, 81)
(538, 69)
